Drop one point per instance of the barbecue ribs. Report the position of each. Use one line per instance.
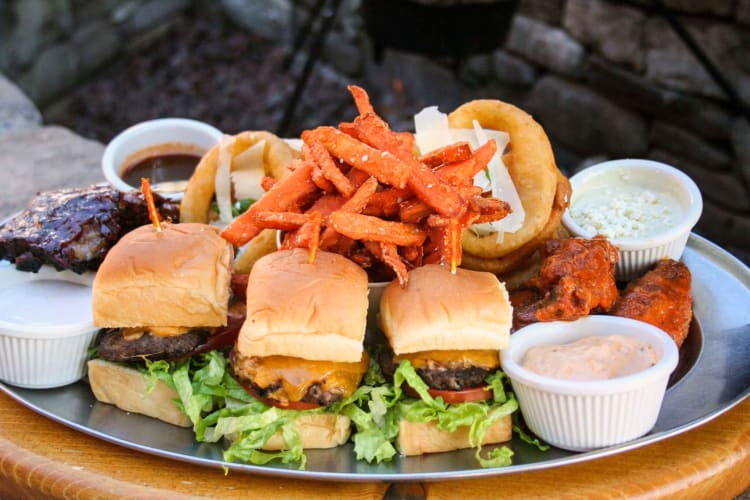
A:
(75, 228)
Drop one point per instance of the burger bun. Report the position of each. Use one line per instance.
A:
(417, 438)
(439, 310)
(177, 277)
(321, 317)
(126, 388)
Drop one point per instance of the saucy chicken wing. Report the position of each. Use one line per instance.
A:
(661, 297)
(577, 277)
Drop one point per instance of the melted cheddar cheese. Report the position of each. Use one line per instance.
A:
(486, 358)
(288, 379)
(159, 331)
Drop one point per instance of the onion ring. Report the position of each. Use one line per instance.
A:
(521, 258)
(531, 165)
(196, 201)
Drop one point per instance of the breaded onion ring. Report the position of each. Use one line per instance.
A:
(522, 258)
(259, 246)
(531, 165)
(196, 201)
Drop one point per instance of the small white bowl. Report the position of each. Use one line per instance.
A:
(375, 292)
(45, 331)
(584, 415)
(180, 134)
(653, 179)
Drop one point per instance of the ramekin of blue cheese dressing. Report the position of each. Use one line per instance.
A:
(591, 358)
(46, 302)
(46, 326)
(626, 211)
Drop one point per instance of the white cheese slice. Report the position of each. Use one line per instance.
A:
(223, 180)
(432, 130)
(248, 172)
(502, 188)
(294, 143)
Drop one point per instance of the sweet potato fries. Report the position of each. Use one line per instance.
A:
(360, 190)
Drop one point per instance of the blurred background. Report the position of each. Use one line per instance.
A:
(662, 79)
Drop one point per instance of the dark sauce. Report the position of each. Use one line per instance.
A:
(167, 172)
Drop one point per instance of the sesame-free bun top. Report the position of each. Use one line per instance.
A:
(438, 310)
(178, 277)
(313, 311)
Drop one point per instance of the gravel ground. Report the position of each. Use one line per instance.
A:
(204, 70)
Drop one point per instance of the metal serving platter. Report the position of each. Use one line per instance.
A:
(712, 377)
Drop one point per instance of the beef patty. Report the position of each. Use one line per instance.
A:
(113, 346)
(453, 375)
(283, 379)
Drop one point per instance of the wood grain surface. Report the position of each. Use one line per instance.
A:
(40, 458)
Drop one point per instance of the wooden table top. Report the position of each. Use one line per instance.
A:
(40, 458)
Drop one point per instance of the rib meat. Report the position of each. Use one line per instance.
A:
(75, 228)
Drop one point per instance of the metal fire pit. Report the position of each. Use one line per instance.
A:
(454, 31)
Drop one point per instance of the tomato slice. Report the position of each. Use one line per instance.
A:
(238, 283)
(289, 405)
(463, 396)
(224, 336)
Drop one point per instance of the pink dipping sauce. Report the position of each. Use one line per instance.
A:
(591, 358)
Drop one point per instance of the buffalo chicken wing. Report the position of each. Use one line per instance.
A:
(661, 297)
(577, 277)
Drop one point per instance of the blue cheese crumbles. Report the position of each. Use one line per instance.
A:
(624, 212)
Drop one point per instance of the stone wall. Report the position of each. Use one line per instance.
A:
(49, 46)
(643, 93)
(37, 157)
(606, 79)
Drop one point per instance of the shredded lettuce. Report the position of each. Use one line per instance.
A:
(222, 411)
(238, 208)
(478, 416)
(525, 435)
(376, 430)
(375, 433)
(220, 408)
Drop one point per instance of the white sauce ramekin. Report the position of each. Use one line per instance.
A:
(45, 351)
(584, 415)
(638, 254)
(153, 133)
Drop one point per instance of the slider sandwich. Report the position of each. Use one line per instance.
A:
(300, 350)
(444, 334)
(159, 295)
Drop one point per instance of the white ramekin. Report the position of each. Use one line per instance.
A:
(44, 355)
(375, 292)
(585, 415)
(638, 254)
(152, 133)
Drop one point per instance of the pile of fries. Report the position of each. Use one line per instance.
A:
(361, 190)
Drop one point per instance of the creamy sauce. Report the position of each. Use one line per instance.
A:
(45, 302)
(625, 211)
(591, 358)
